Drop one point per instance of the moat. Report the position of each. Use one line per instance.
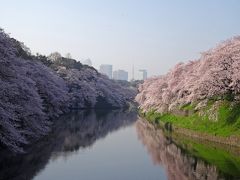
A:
(116, 145)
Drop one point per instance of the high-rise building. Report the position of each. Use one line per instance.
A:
(120, 75)
(133, 78)
(106, 69)
(144, 73)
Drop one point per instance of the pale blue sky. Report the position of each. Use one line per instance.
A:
(152, 34)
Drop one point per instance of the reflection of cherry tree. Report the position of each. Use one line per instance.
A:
(72, 132)
(164, 152)
(215, 73)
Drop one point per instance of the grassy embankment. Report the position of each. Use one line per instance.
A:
(227, 122)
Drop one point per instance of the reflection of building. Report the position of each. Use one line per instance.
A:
(120, 75)
(144, 74)
(106, 69)
(88, 62)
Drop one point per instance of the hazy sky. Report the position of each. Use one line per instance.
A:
(151, 34)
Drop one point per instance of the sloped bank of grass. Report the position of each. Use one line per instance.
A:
(225, 124)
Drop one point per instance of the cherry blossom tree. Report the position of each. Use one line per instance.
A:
(216, 73)
(34, 90)
(30, 95)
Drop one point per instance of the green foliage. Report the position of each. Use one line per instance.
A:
(227, 96)
(188, 106)
(227, 124)
(229, 114)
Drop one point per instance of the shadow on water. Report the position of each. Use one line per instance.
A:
(185, 159)
(78, 129)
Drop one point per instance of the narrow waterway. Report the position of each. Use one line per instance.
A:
(104, 145)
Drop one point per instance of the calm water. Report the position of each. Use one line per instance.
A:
(104, 145)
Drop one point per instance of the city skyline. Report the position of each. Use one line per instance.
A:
(122, 74)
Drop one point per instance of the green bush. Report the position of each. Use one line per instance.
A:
(228, 122)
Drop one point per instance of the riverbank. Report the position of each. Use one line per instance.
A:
(200, 124)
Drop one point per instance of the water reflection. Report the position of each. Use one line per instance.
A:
(128, 160)
(79, 129)
(177, 162)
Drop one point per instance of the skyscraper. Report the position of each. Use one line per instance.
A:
(120, 75)
(144, 73)
(133, 78)
(106, 69)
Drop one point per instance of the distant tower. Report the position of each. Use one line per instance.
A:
(133, 73)
(144, 73)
